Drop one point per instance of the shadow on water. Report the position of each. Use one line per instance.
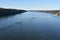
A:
(10, 15)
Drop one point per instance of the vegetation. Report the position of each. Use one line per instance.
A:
(57, 12)
(8, 12)
(48, 11)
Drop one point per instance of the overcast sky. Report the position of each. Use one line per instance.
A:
(30, 4)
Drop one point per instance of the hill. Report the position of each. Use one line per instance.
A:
(8, 12)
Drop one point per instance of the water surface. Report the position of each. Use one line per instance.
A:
(30, 26)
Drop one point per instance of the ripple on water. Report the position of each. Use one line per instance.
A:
(12, 26)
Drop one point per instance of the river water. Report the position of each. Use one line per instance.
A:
(30, 26)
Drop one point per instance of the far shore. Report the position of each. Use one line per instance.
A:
(47, 11)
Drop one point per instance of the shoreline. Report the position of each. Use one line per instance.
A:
(8, 12)
(57, 12)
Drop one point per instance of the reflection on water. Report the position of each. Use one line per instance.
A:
(30, 26)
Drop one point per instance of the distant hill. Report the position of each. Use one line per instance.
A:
(8, 12)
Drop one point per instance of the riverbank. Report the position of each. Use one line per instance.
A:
(57, 12)
(8, 12)
(47, 11)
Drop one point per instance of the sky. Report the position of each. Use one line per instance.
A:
(31, 4)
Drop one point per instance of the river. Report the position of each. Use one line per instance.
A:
(30, 26)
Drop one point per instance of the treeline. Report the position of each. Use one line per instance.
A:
(8, 12)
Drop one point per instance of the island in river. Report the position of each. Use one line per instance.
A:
(8, 12)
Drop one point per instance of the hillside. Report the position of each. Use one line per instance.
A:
(47, 11)
(8, 12)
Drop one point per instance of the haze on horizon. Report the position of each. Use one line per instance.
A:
(31, 4)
